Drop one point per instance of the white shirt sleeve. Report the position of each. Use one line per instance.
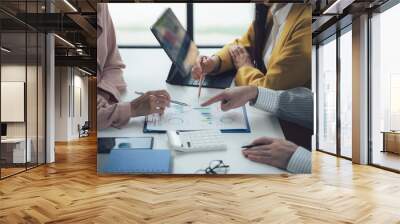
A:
(300, 162)
(294, 105)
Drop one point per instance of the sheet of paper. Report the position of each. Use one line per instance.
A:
(178, 117)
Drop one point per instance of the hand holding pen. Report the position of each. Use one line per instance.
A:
(202, 61)
(204, 66)
(172, 101)
(151, 102)
(272, 151)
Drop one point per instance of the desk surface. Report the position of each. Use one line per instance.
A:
(147, 69)
(390, 132)
(13, 140)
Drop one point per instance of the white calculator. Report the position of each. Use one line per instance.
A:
(195, 141)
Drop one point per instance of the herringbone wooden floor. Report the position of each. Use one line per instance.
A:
(70, 191)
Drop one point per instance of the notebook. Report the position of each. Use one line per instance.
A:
(106, 144)
(135, 161)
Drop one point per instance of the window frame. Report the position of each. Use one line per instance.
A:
(333, 37)
(342, 32)
(190, 30)
(25, 30)
(380, 9)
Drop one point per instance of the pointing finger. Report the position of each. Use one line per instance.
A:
(214, 99)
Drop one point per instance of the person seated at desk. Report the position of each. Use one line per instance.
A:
(280, 43)
(111, 112)
(294, 105)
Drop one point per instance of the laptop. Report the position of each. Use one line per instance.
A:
(183, 53)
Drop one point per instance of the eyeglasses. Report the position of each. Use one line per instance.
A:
(215, 167)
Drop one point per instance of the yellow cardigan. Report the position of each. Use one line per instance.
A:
(290, 63)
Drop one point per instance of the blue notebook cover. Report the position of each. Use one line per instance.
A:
(106, 144)
(135, 161)
(244, 130)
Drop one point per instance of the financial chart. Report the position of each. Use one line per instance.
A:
(178, 117)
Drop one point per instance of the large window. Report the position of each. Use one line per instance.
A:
(22, 77)
(133, 21)
(334, 88)
(346, 93)
(385, 87)
(209, 25)
(327, 96)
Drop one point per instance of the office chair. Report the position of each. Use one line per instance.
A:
(84, 130)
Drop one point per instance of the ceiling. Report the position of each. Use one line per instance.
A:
(331, 15)
(74, 22)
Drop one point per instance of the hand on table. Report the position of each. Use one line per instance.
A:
(240, 56)
(209, 65)
(149, 103)
(272, 151)
(233, 97)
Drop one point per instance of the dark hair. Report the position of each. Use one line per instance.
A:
(260, 35)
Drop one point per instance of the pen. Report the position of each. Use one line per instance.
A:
(202, 76)
(172, 101)
(250, 146)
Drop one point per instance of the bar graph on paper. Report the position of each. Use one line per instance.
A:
(179, 117)
(206, 115)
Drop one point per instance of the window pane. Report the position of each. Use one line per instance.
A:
(394, 101)
(211, 27)
(346, 94)
(13, 82)
(31, 99)
(133, 21)
(41, 99)
(327, 97)
(385, 87)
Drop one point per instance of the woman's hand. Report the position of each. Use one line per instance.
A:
(208, 65)
(151, 102)
(272, 151)
(240, 57)
(234, 97)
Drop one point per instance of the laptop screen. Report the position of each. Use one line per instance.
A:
(175, 41)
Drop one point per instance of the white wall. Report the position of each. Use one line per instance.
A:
(16, 73)
(61, 103)
(70, 84)
(82, 82)
(33, 126)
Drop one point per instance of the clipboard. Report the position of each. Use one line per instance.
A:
(247, 129)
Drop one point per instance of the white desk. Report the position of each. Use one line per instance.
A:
(19, 155)
(146, 70)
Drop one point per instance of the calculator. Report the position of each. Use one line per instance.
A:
(196, 141)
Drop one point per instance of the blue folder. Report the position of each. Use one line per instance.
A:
(135, 161)
(243, 130)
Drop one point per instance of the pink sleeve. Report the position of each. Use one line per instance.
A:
(110, 111)
(112, 114)
(113, 64)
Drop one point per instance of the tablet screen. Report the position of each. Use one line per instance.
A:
(175, 41)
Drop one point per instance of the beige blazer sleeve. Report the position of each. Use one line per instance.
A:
(111, 112)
